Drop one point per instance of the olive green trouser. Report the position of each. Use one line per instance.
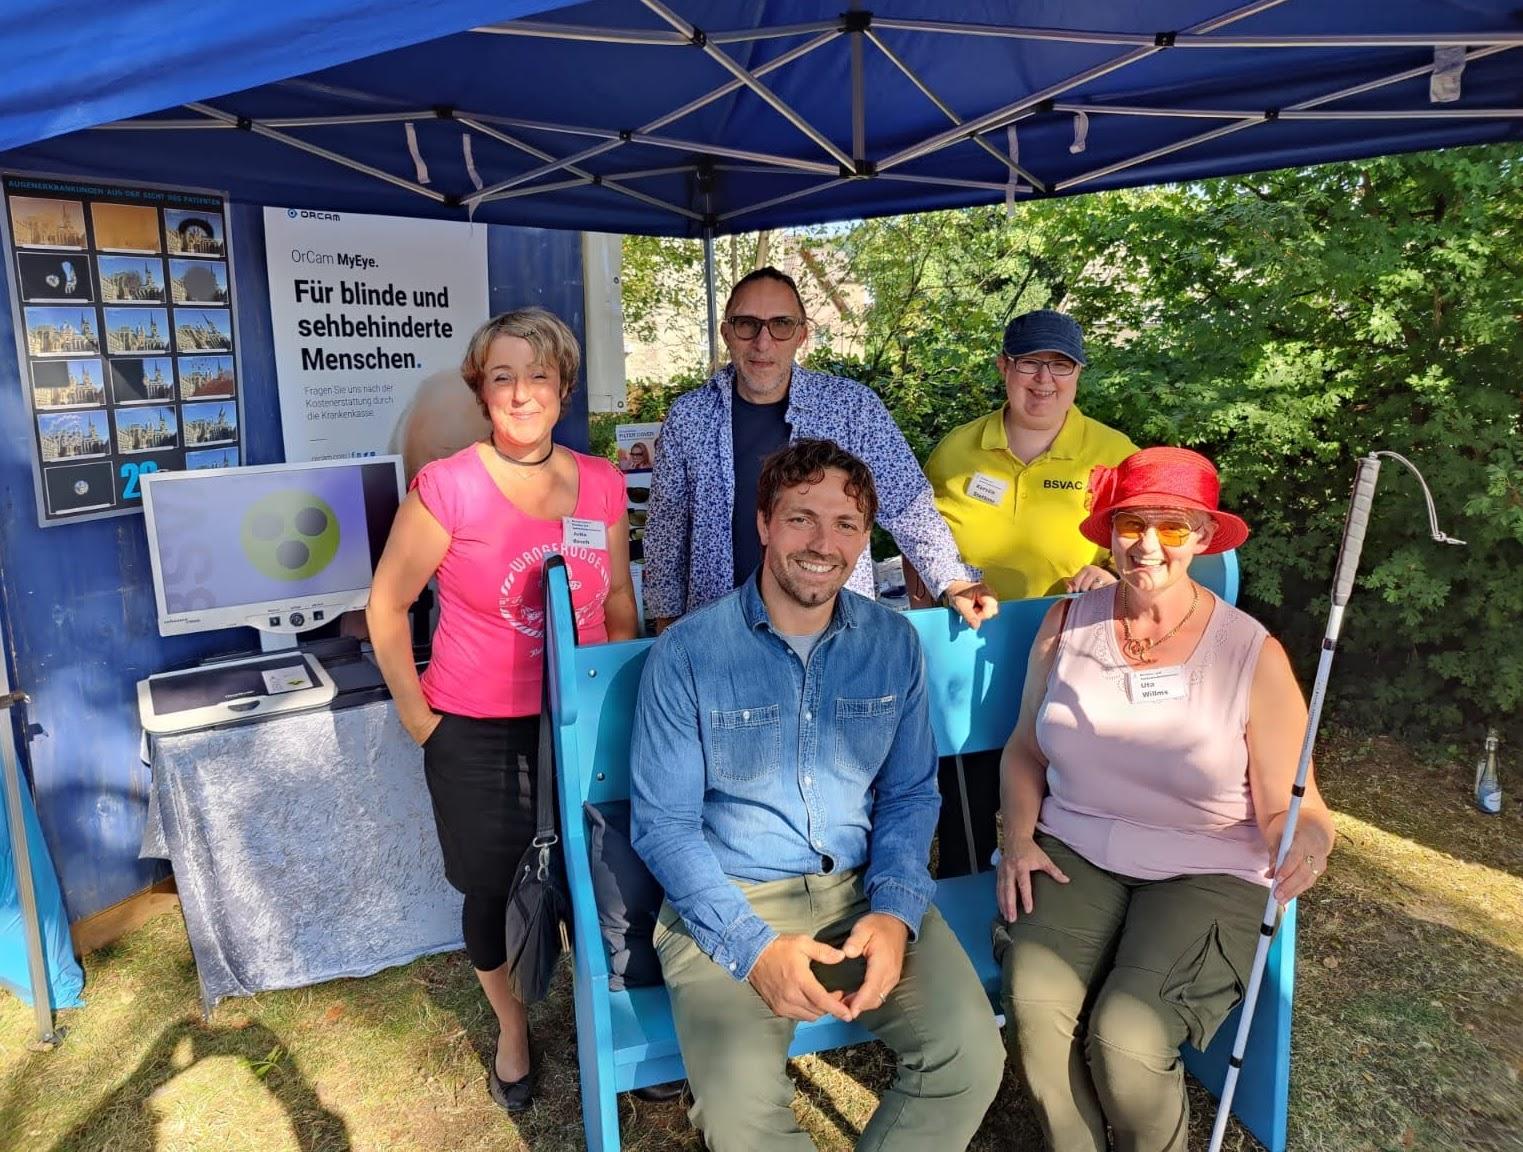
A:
(1104, 980)
(938, 1020)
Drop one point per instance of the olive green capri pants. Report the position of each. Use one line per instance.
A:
(937, 1020)
(1104, 980)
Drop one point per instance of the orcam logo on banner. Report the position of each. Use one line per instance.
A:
(290, 535)
(305, 214)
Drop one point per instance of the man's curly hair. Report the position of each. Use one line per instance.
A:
(804, 462)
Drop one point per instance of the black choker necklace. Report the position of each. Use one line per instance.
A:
(501, 455)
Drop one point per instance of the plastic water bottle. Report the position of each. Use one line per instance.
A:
(1488, 787)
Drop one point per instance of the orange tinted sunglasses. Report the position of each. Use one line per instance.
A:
(1172, 531)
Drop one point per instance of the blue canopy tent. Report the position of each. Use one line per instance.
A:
(703, 117)
(689, 118)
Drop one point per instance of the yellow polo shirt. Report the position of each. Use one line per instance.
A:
(1020, 522)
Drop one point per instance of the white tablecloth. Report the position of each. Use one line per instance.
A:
(303, 847)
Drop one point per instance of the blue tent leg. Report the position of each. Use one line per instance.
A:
(15, 819)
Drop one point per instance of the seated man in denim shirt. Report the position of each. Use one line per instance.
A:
(783, 792)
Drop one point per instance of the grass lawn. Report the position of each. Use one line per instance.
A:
(1408, 1024)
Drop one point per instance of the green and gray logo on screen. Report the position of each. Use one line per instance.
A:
(290, 535)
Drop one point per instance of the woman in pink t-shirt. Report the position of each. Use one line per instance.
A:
(483, 521)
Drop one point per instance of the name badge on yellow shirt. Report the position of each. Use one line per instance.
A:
(989, 489)
(578, 533)
(1150, 685)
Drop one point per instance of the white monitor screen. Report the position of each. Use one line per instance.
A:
(283, 547)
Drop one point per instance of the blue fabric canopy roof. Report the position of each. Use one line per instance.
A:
(676, 116)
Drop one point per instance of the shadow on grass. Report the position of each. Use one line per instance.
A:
(125, 1121)
(1409, 1017)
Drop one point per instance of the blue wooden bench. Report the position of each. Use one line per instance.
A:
(626, 1040)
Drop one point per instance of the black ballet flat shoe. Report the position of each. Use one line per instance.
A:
(660, 1093)
(510, 1095)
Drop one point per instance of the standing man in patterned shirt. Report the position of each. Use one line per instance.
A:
(701, 537)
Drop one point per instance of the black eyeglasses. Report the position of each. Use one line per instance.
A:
(749, 327)
(1028, 366)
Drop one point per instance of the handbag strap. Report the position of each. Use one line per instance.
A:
(544, 801)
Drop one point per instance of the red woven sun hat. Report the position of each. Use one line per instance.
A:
(1160, 478)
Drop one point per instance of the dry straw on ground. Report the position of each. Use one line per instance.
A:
(1408, 1024)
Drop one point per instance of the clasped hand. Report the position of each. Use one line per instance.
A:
(975, 603)
(783, 978)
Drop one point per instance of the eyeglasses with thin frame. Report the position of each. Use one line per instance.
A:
(778, 327)
(1172, 531)
(1027, 366)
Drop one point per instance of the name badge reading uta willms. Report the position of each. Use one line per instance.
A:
(579, 533)
(989, 489)
(1150, 685)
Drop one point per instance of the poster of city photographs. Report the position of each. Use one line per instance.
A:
(136, 330)
(203, 330)
(72, 435)
(147, 381)
(193, 233)
(212, 423)
(130, 279)
(44, 223)
(53, 277)
(68, 384)
(125, 227)
(61, 332)
(213, 458)
(202, 377)
(198, 281)
(146, 429)
(124, 297)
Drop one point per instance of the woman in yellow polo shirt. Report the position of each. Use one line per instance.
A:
(1011, 485)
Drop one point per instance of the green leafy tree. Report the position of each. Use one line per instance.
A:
(1285, 324)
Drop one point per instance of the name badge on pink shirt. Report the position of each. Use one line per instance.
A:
(579, 533)
(1149, 685)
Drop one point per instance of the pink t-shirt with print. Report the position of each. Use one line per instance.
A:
(488, 648)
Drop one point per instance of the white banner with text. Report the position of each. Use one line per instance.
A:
(365, 309)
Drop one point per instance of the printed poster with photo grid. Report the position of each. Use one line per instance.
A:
(123, 301)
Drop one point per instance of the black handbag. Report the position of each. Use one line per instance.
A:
(539, 905)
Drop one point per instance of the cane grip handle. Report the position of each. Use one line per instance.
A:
(1354, 527)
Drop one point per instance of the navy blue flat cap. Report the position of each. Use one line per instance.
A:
(1045, 331)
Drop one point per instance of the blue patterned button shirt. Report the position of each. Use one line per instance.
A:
(688, 541)
(747, 763)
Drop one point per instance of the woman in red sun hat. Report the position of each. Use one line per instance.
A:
(1143, 793)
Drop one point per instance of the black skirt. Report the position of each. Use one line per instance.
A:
(481, 777)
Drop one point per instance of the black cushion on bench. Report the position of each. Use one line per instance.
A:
(627, 895)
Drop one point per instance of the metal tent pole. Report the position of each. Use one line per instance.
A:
(15, 818)
(709, 292)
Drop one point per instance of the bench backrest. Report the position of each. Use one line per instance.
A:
(974, 680)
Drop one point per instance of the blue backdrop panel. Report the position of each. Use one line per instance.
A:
(79, 597)
(65, 980)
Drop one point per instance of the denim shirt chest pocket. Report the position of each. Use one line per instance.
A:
(864, 732)
(748, 742)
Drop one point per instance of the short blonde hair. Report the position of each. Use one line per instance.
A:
(553, 343)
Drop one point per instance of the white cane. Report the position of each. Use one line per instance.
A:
(1343, 585)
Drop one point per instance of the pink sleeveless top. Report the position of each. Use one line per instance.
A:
(1159, 788)
(488, 648)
